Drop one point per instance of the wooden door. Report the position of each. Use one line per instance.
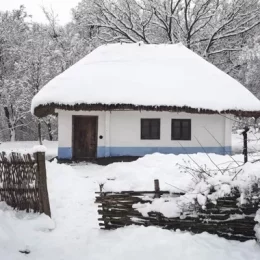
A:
(84, 137)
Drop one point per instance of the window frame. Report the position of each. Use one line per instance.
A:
(150, 131)
(181, 131)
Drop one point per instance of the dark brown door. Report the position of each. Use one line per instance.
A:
(84, 137)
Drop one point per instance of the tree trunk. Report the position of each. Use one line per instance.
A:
(12, 134)
(255, 124)
(49, 130)
(39, 132)
(10, 124)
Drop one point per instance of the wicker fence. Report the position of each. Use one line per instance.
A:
(226, 218)
(23, 184)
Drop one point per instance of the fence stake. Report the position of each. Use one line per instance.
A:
(244, 133)
(157, 188)
(42, 184)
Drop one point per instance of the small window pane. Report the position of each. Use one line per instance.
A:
(185, 124)
(145, 129)
(177, 133)
(177, 123)
(145, 132)
(176, 129)
(185, 134)
(154, 130)
(146, 123)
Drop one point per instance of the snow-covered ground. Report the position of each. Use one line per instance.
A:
(73, 232)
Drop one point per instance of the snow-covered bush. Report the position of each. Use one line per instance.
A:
(209, 184)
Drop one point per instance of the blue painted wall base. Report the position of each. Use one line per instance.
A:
(65, 153)
(141, 151)
(102, 151)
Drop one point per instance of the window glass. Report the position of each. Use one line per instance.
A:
(150, 128)
(181, 129)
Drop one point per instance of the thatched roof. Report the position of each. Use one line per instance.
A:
(145, 77)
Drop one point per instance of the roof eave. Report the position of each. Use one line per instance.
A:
(48, 109)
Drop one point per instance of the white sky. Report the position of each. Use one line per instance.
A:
(61, 7)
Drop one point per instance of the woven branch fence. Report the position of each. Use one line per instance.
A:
(23, 183)
(226, 218)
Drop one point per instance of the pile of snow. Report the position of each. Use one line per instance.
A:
(168, 207)
(23, 147)
(17, 230)
(160, 78)
(140, 174)
(39, 149)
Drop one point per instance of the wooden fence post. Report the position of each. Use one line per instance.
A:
(245, 152)
(42, 184)
(157, 188)
(104, 208)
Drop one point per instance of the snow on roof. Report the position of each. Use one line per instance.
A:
(146, 75)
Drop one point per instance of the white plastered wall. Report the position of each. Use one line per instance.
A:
(122, 129)
(125, 129)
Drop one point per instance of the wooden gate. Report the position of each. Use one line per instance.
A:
(84, 137)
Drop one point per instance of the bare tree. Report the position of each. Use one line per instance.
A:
(215, 29)
(124, 20)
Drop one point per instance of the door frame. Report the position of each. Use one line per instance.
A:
(73, 136)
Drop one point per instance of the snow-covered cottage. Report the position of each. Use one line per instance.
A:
(136, 99)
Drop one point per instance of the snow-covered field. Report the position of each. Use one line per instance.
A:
(73, 232)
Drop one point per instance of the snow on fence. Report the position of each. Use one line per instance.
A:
(225, 218)
(23, 184)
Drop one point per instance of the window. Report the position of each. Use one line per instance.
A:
(150, 129)
(181, 129)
